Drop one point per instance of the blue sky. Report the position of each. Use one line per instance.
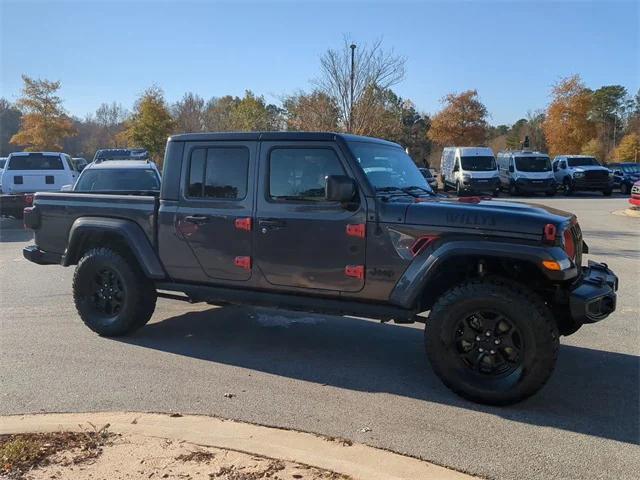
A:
(511, 52)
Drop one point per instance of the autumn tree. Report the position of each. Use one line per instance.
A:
(462, 121)
(252, 113)
(629, 149)
(150, 124)
(315, 111)
(218, 113)
(594, 148)
(9, 125)
(44, 123)
(568, 126)
(189, 114)
(374, 68)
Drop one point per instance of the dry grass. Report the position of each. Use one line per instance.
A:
(22, 452)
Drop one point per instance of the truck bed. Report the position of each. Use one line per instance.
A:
(57, 211)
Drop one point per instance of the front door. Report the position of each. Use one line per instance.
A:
(215, 212)
(301, 240)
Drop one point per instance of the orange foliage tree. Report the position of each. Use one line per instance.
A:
(463, 120)
(567, 126)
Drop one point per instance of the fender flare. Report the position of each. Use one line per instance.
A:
(426, 265)
(127, 230)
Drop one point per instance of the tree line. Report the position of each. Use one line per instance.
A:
(604, 122)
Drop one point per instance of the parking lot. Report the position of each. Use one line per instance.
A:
(344, 377)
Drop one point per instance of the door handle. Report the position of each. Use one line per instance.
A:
(271, 224)
(197, 219)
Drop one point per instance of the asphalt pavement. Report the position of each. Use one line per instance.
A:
(345, 377)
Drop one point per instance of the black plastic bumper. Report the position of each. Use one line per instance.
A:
(488, 185)
(593, 297)
(35, 255)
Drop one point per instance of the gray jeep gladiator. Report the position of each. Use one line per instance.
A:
(335, 224)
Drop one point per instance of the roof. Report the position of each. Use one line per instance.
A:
(523, 152)
(275, 136)
(24, 154)
(111, 164)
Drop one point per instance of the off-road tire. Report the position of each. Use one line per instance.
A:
(525, 309)
(139, 298)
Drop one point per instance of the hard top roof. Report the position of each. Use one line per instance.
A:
(275, 136)
(121, 164)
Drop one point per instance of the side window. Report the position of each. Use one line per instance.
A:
(563, 164)
(220, 173)
(299, 174)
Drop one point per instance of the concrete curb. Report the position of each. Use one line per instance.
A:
(358, 461)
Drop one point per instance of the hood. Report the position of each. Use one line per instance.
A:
(486, 215)
(589, 168)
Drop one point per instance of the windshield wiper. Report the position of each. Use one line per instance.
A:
(415, 187)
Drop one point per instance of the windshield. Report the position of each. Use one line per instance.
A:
(103, 179)
(122, 154)
(36, 161)
(533, 164)
(478, 163)
(583, 162)
(387, 167)
(625, 168)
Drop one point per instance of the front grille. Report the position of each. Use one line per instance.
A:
(576, 234)
(596, 175)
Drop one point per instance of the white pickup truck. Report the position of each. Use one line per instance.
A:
(28, 172)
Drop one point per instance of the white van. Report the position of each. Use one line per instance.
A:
(469, 169)
(28, 172)
(524, 171)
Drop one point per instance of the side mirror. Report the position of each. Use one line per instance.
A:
(66, 188)
(339, 188)
(456, 168)
(511, 169)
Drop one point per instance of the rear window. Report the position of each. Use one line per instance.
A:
(218, 173)
(114, 180)
(35, 162)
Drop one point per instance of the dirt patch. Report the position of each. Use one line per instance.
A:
(21, 453)
(79, 456)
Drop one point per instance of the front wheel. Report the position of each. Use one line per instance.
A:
(625, 189)
(111, 293)
(491, 341)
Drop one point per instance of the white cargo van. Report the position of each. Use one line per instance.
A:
(469, 170)
(28, 172)
(524, 171)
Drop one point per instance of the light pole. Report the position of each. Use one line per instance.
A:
(353, 62)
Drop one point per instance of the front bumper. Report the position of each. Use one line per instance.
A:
(35, 255)
(587, 184)
(536, 186)
(484, 185)
(593, 296)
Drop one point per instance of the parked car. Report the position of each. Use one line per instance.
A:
(625, 175)
(118, 176)
(430, 178)
(524, 171)
(80, 163)
(121, 154)
(582, 173)
(3, 161)
(337, 224)
(634, 199)
(29, 172)
(469, 170)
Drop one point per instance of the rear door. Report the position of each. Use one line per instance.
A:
(215, 212)
(301, 240)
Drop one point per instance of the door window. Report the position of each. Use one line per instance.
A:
(218, 173)
(299, 174)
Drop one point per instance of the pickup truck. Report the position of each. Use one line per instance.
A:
(335, 224)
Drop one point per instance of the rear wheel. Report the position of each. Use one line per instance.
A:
(492, 342)
(111, 293)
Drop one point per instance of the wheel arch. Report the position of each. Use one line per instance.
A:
(433, 273)
(122, 235)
